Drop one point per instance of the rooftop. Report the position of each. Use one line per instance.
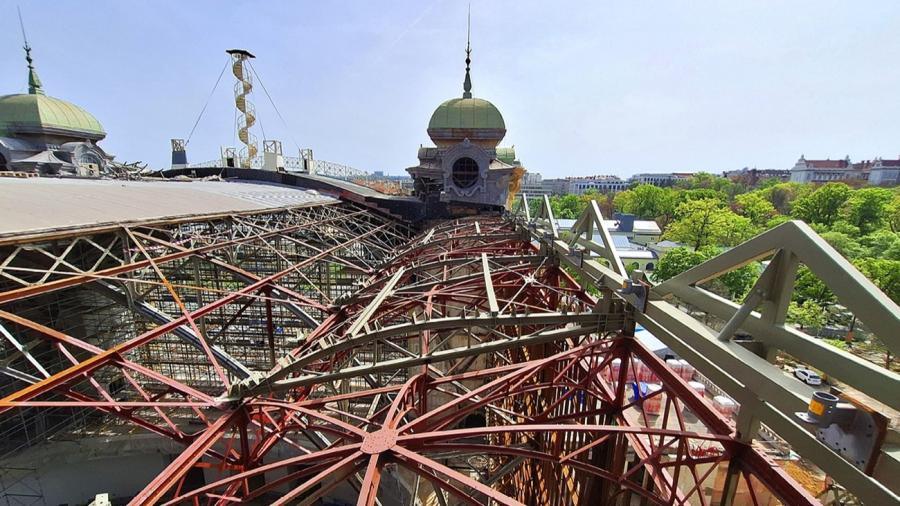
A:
(828, 164)
(45, 204)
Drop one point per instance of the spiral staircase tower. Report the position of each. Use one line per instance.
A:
(247, 118)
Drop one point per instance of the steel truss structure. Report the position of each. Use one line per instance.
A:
(328, 351)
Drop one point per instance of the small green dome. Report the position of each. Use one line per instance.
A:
(37, 113)
(466, 113)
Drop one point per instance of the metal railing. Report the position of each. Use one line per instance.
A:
(296, 164)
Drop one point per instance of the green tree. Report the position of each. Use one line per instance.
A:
(845, 244)
(707, 222)
(881, 244)
(604, 201)
(707, 181)
(807, 314)
(844, 227)
(884, 273)
(768, 182)
(754, 206)
(809, 287)
(736, 283)
(733, 284)
(783, 195)
(823, 205)
(566, 206)
(866, 208)
(534, 205)
(647, 202)
(777, 220)
(700, 194)
(676, 261)
(892, 212)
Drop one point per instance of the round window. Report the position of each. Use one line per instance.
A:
(465, 172)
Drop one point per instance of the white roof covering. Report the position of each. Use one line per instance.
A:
(647, 227)
(636, 254)
(42, 204)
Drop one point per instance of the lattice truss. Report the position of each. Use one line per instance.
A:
(324, 351)
(161, 316)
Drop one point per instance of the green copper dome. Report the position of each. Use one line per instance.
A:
(38, 113)
(466, 113)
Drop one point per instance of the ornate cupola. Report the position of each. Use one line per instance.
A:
(47, 135)
(466, 172)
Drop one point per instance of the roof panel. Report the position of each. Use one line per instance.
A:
(44, 204)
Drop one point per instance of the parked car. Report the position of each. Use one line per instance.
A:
(809, 377)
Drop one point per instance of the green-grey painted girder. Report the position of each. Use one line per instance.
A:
(767, 395)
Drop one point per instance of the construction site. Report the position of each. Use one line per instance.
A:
(262, 330)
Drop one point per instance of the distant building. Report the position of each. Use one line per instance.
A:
(45, 135)
(642, 232)
(635, 256)
(754, 176)
(601, 184)
(557, 186)
(885, 172)
(660, 179)
(534, 185)
(879, 172)
(639, 231)
(823, 171)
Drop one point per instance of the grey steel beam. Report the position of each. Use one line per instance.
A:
(187, 334)
(23, 350)
(489, 285)
(551, 220)
(607, 241)
(759, 386)
(363, 318)
(850, 369)
(851, 287)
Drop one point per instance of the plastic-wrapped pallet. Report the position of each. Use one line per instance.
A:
(686, 370)
(698, 387)
(614, 369)
(675, 365)
(724, 405)
(653, 405)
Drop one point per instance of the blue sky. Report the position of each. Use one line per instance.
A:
(585, 87)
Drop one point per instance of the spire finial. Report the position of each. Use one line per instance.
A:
(467, 84)
(34, 82)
